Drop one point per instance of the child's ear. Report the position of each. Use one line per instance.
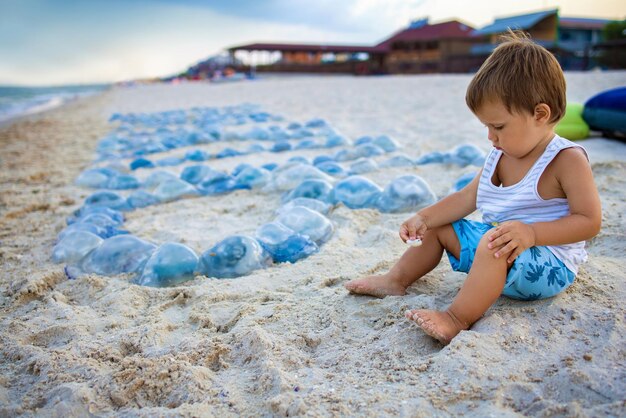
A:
(542, 113)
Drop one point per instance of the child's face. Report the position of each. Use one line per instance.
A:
(516, 134)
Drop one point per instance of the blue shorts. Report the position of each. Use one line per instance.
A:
(535, 274)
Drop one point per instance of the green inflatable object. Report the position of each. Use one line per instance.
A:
(573, 126)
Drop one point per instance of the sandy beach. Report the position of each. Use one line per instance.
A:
(289, 340)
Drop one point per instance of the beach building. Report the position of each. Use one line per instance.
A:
(420, 48)
(578, 42)
(425, 48)
(570, 39)
(445, 47)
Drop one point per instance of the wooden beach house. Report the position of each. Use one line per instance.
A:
(570, 39)
(425, 48)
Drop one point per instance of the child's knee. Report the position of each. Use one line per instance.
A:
(483, 245)
(483, 250)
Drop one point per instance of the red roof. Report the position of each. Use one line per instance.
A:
(446, 30)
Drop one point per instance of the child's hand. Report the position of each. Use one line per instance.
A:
(511, 238)
(413, 228)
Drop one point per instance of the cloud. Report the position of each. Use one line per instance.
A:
(116, 40)
(332, 15)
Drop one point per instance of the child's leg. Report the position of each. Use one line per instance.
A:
(482, 287)
(414, 263)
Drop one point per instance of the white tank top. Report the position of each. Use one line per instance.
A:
(521, 201)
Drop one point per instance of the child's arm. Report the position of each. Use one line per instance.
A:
(573, 172)
(449, 209)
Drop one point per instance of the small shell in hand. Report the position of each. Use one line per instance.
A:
(414, 242)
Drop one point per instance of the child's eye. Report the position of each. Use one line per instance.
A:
(498, 128)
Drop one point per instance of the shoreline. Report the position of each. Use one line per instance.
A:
(54, 100)
(289, 340)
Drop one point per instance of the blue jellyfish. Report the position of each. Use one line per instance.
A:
(316, 123)
(294, 126)
(233, 136)
(307, 222)
(312, 188)
(234, 256)
(239, 168)
(466, 154)
(321, 159)
(170, 190)
(74, 246)
(100, 219)
(398, 161)
(430, 158)
(302, 133)
(95, 178)
(356, 192)
(308, 144)
(281, 146)
(107, 199)
(142, 199)
(332, 168)
(369, 150)
(80, 226)
(172, 263)
(228, 152)
(335, 140)
(313, 204)
(259, 116)
(154, 179)
(252, 177)
(123, 182)
(118, 254)
(366, 139)
(254, 148)
(141, 163)
(197, 155)
(462, 181)
(279, 135)
(170, 161)
(78, 214)
(270, 166)
(171, 142)
(257, 133)
(283, 244)
(346, 155)
(194, 174)
(299, 159)
(386, 143)
(405, 193)
(291, 175)
(363, 165)
(218, 183)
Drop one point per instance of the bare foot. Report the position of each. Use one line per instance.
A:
(442, 326)
(379, 286)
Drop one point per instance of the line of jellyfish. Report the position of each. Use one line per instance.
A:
(94, 243)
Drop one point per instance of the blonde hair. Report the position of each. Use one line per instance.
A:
(521, 74)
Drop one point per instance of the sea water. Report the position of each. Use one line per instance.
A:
(21, 101)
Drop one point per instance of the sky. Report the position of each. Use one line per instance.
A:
(54, 42)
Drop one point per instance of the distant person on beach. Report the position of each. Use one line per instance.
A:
(536, 192)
